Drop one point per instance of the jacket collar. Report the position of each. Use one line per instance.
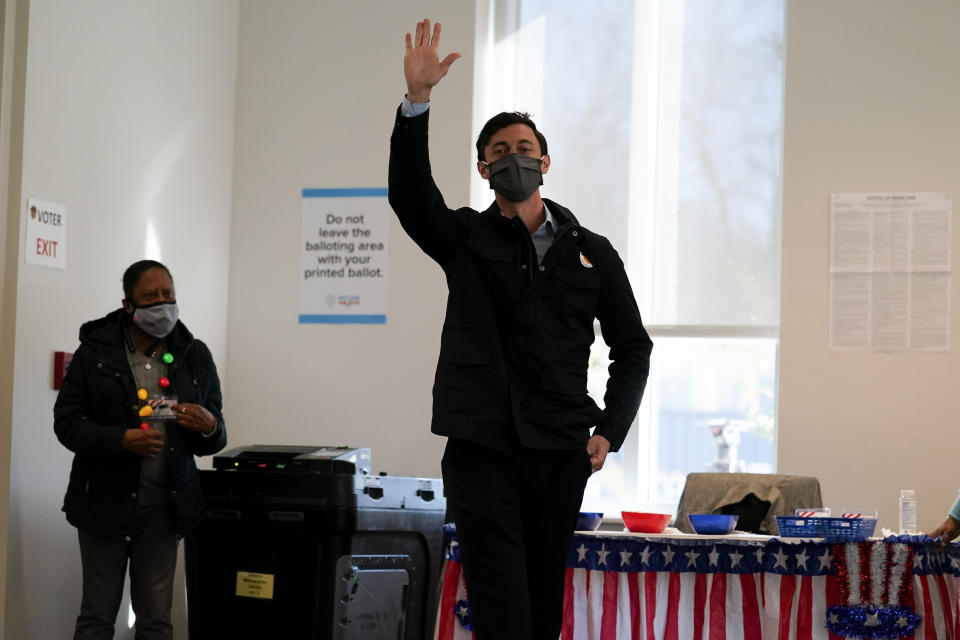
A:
(563, 216)
(105, 335)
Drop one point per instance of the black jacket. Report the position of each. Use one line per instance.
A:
(98, 402)
(516, 339)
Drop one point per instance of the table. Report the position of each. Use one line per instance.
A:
(687, 587)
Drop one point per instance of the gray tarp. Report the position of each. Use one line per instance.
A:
(709, 492)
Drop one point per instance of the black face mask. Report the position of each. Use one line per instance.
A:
(515, 177)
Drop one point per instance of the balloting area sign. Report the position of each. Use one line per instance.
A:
(343, 260)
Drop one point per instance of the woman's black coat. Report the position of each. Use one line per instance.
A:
(98, 403)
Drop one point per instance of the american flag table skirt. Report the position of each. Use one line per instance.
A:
(629, 587)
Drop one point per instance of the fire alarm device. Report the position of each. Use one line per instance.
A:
(61, 360)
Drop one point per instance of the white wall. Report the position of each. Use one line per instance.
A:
(872, 104)
(129, 124)
(318, 86)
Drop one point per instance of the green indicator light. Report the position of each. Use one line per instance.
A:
(281, 465)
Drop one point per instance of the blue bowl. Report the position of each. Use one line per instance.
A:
(712, 523)
(589, 521)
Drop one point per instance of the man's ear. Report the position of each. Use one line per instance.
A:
(484, 171)
(127, 306)
(545, 163)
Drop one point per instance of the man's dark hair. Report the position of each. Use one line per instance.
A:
(502, 121)
(132, 275)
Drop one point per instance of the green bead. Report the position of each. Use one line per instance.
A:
(168, 357)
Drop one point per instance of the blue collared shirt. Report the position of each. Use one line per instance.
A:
(412, 109)
(544, 235)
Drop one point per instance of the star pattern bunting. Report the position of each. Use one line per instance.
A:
(700, 556)
(778, 555)
(793, 556)
(931, 559)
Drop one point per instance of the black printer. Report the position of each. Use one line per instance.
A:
(306, 542)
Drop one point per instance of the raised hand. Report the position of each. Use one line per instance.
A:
(421, 64)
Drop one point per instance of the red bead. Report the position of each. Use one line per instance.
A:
(144, 426)
(164, 382)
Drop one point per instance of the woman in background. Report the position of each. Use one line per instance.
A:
(140, 399)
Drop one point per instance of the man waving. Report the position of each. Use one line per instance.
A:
(526, 284)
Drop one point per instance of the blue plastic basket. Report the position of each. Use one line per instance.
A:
(841, 529)
(588, 521)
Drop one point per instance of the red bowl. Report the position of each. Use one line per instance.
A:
(638, 522)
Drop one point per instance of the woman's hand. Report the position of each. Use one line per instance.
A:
(143, 442)
(195, 417)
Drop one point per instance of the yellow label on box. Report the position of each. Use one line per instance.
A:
(255, 585)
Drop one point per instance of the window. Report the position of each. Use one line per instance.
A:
(664, 120)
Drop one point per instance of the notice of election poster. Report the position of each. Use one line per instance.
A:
(890, 271)
(343, 264)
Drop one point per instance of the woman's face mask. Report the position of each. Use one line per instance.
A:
(516, 176)
(156, 320)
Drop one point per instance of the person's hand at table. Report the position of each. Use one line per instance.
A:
(195, 417)
(949, 530)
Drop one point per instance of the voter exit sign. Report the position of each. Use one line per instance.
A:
(46, 234)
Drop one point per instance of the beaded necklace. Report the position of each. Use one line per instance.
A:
(151, 351)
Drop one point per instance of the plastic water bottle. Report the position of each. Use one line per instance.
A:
(908, 511)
